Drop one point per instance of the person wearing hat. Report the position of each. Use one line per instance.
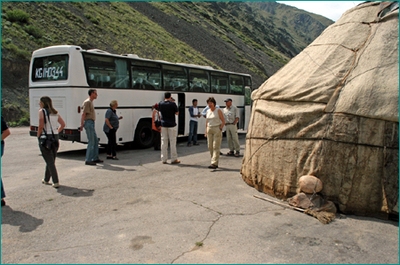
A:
(231, 115)
(156, 130)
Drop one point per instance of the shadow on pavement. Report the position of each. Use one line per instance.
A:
(228, 169)
(186, 165)
(392, 219)
(206, 167)
(74, 192)
(74, 154)
(113, 168)
(129, 156)
(26, 222)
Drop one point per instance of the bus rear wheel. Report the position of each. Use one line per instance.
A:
(144, 136)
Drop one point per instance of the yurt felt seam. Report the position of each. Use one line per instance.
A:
(316, 139)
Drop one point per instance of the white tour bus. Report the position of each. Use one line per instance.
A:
(65, 73)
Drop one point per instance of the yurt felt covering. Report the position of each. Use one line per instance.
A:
(332, 112)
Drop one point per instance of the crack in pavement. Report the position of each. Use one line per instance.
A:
(220, 215)
(208, 232)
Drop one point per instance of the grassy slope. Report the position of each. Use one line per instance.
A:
(226, 21)
(94, 25)
(292, 26)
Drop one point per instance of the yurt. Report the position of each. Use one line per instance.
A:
(332, 112)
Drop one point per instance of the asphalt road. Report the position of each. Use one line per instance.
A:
(137, 210)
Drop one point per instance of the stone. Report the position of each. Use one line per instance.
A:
(310, 184)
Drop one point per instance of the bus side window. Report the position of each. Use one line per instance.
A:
(112, 81)
(138, 83)
(145, 78)
(92, 82)
(105, 71)
(236, 85)
(223, 84)
(219, 83)
(168, 84)
(199, 80)
(214, 89)
(107, 80)
(175, 78)
(121, 73)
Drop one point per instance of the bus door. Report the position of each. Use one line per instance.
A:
(180, 119)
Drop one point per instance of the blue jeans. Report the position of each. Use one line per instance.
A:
(192, 132)
(92, 151)
(3, 194)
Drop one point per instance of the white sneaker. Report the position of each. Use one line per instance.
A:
(56, 185)
(45, 182)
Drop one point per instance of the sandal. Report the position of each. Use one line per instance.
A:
(213, 166)
(230, 153)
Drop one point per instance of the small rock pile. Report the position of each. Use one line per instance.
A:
(308, 196)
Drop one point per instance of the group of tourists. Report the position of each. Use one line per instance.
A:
(216, 119)
(51, 124)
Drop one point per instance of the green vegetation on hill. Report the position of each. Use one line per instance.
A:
(114, 27)
(256, 38)
(290, 29)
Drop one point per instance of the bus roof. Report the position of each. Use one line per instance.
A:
(59, 49)
(55, 49)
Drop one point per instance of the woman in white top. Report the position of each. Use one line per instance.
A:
(50, 123)
(215, 121)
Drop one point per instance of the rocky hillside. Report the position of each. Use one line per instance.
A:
(250, 37)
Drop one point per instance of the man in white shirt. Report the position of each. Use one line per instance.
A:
(232, 118)
(194, 115)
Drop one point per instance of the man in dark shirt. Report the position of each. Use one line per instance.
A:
(168, 110)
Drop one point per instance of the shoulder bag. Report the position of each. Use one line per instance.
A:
(157, 121)
(48, 141)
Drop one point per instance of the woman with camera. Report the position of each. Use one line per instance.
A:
(50, 125)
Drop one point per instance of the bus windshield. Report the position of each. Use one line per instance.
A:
(50, 68)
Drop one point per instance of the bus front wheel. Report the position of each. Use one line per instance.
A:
(144, 135)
